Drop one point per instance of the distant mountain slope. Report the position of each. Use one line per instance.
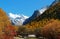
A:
(36, 14)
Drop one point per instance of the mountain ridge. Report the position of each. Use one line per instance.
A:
(52, 13)
(36, 14)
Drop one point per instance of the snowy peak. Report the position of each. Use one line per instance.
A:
(13, 15)
(43, 10)
(16, 15)
(17, 19)
(39, 12)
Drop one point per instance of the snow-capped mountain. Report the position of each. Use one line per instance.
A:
(17, 19)
(36, 14)
(22, 19)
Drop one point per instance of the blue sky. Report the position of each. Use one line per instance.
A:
(25, 7)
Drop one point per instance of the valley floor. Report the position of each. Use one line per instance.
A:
(27, 38)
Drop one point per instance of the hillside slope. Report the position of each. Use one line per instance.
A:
(4, 20)
(52, 13)
(51, 30)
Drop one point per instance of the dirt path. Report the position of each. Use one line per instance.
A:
(18, 38)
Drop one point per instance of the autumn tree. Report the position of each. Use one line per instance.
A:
(22, 31)
(52, 30)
